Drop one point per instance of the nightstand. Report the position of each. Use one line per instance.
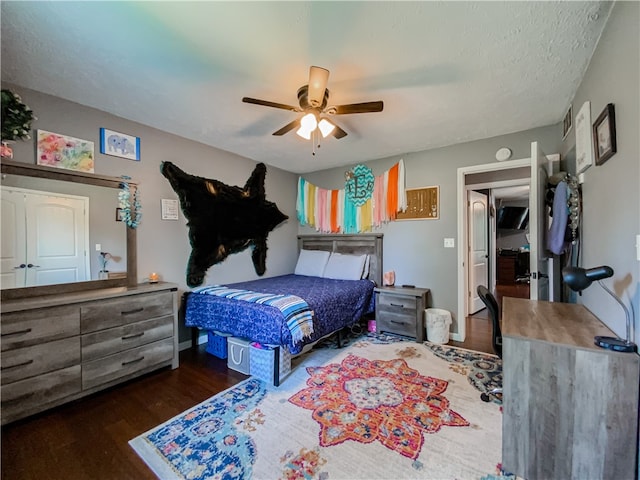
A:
(400, 310)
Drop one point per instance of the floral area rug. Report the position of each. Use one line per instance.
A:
(378, 408)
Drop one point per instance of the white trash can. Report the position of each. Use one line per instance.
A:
(438, 322)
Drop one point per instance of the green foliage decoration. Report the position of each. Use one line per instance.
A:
(16, 117)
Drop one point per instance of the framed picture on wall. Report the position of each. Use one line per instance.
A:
(567, 122)
(584, 143)
(119, 144)
(604, 134)
(63, 151)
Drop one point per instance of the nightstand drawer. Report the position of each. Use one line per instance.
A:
(396, 302)
(400, 324)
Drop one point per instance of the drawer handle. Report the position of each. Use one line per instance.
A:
(28, 362)
(397, 322)
(396, 305)
(133, 335)
(130, 312)
(139, 359)
(19, 332)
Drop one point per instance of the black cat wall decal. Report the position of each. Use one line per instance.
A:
(223, 219)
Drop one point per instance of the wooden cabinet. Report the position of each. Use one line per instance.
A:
(400, 310)
(59, 349)
(570, 407)
(506, 270)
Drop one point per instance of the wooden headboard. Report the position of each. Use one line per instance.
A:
(370, 244)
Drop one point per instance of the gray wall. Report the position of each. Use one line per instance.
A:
(163, 245)
(414, 249)
(611, 196)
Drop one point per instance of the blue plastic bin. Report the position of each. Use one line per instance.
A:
(217, 344)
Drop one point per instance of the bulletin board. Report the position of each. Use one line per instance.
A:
(422, 204)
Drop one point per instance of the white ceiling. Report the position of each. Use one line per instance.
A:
(448, 72)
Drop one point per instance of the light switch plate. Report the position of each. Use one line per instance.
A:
(98, 247)
(449, 243)
(638, 247)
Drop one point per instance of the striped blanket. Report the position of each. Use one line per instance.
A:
(296, 312)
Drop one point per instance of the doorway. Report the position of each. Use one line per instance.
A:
(512, 173)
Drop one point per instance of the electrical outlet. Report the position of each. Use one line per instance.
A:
(98, 247)
(449, 243)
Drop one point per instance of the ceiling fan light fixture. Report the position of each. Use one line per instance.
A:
(318, 78)
(308, 124)
(326, 127)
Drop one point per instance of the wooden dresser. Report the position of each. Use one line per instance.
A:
(63, 347)
(570, 407)
(401, 310)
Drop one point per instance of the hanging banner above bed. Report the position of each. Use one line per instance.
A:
(365, 202)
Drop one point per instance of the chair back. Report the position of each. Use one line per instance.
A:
(494, 312)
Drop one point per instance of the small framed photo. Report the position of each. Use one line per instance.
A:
(567, 122)
(604, 134)
(119, 144)
(169, 209)
(119, 215)
(584, 142)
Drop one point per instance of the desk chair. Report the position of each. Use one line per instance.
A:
(496, 338)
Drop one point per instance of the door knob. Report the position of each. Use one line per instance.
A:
(22, 265)
(31, 265)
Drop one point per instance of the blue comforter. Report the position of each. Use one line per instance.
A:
(335, 303)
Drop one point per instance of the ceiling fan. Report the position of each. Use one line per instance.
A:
(313, 99)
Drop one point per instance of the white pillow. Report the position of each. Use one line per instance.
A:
(365, 271)
(311, 263)
(345, 267)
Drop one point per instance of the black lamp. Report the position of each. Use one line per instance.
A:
(577, 279)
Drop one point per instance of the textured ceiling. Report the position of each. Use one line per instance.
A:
(448, 72)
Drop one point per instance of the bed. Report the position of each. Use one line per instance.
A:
(334, 303)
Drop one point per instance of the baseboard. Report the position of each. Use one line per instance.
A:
(457, 337)
(202, 338)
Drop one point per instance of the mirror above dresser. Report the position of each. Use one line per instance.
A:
(55, 225)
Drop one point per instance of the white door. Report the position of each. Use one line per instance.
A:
(13, 249)
(538, 264)
(478, 248)
(48, 239)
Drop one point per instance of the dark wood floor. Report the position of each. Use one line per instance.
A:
(88, 438)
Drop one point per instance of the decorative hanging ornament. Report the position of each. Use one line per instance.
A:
(129, 203)
(359, 184)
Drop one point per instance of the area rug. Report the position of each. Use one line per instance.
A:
(375, 409)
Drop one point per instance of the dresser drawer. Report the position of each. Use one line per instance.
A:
(114, 340)
(36, 393)
(21, 329)
(126, 363)
(121, 311)
(397, 303)
(30, 361)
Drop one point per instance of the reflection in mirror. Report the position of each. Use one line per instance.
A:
(79, 243)
(59, 232)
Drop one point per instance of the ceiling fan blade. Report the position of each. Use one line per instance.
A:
(266, 103)
(318, 78)
(287, 128)
(366, 107)
(338, 132)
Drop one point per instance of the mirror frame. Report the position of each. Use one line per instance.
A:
(30, 170)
